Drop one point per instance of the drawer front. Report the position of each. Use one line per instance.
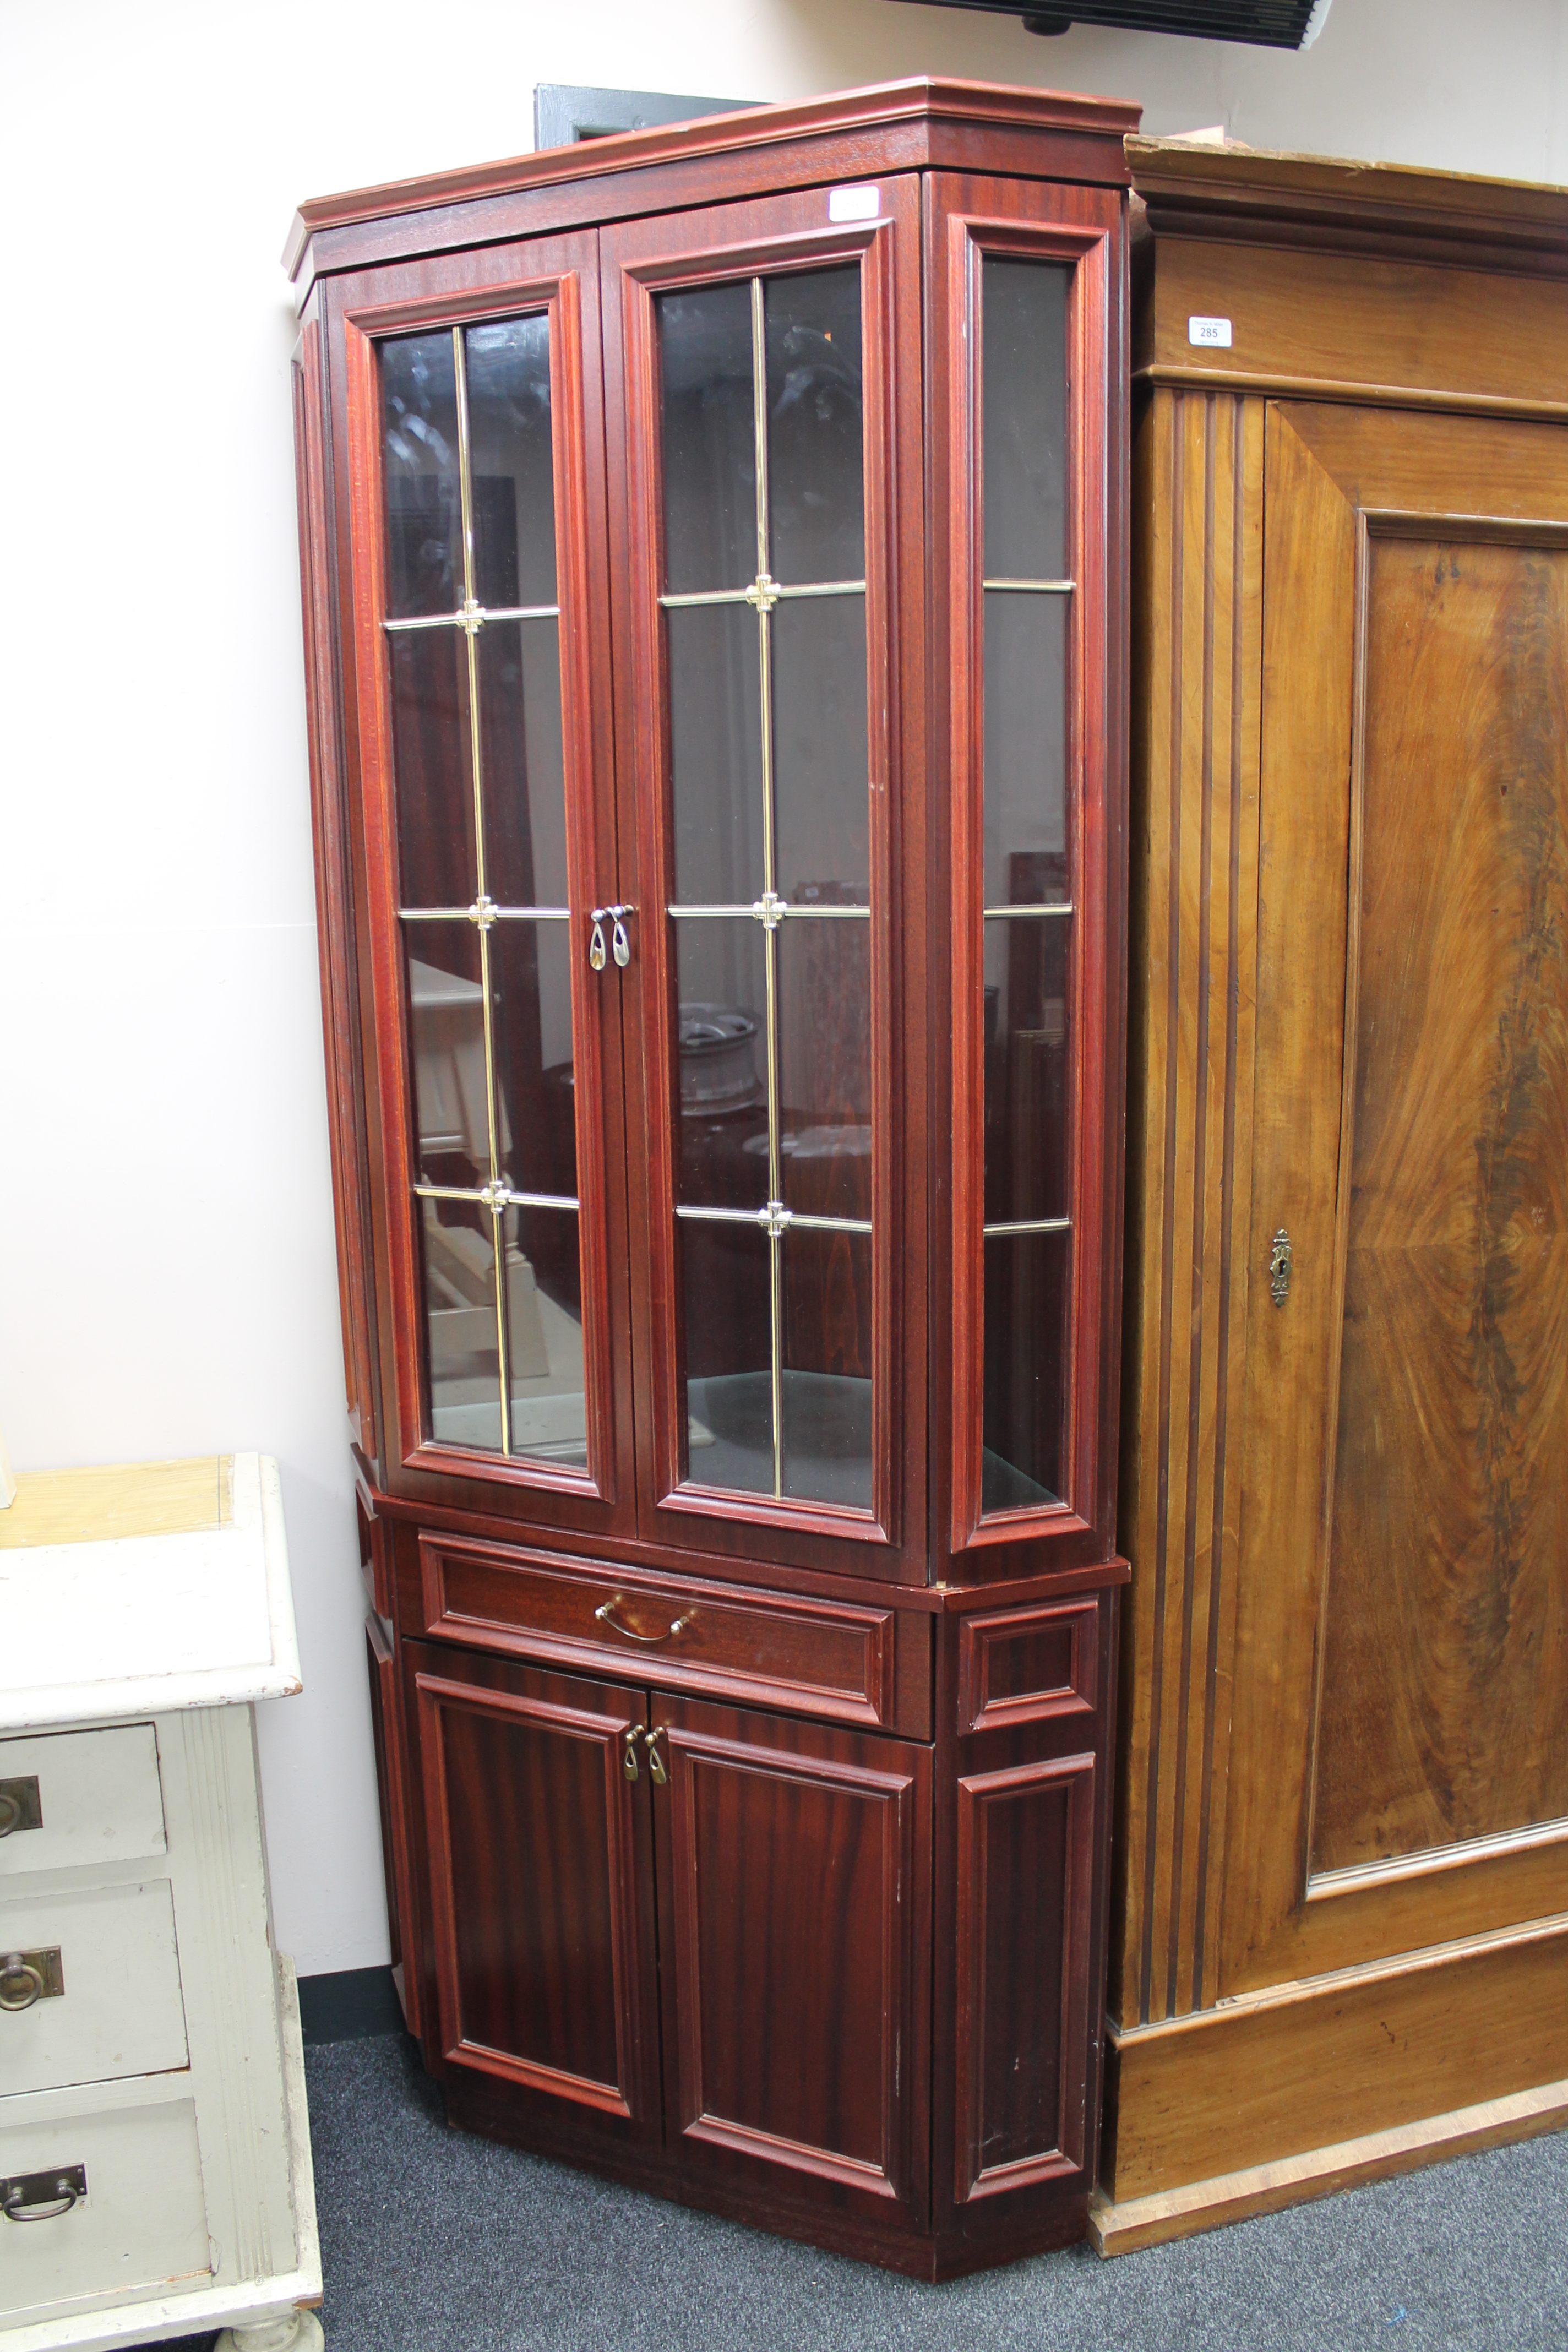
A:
(118, 2010)
(75, 1797)
(141, 2225)
(1025, 1666)
(813, 1657)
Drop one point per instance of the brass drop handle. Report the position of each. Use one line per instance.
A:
(22, 1981)
(629, 1750)
(620, 946)
(1280, 1268)
(605, 1614)
(596, 957)
(10, 1813)
(43, 2196)
(659, 1771)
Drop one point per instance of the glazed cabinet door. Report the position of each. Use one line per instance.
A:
(794, 1899)
(467, 390)
(540, 1876)
(763, 387)
(1024, 300)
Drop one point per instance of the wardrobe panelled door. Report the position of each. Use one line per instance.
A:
(713, 563)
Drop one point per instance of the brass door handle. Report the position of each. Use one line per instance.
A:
(22, 1981)
(43, 2196)
(605, 1614)
(659, 1771)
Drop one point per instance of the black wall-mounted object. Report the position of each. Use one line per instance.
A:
(1268, 24)
(566, 111)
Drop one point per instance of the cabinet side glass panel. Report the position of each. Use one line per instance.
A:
(473, 632)
(765, 638)
(1029, 882)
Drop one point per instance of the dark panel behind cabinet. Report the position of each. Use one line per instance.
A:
(539, 1871)
(793, 1894)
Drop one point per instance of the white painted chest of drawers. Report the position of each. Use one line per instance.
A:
(154, 2155)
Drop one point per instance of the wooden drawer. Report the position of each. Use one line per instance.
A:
(118, 2010)
(836, 1659)
(75, 1797)
(1024, 1666)
(142, 2222)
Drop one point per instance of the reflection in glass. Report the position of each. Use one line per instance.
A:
(508, 366)
(460, 1327)
(525, 792)
(545, 1334)
(447, 1039)
(815, 468)
(826, 1382)
(419, 463)
(1026, 740)
(825, 1067)
(822, 808)
(722, 1038)
(531, 999)
(729, 1357)
(1024, 376)
(1026, 1285)
(716, 754)
(431, 754)
(1027, 970)
(710, 438)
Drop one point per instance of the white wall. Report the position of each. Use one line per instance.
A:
(166, 1276)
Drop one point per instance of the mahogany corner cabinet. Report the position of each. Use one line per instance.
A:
(715, 567)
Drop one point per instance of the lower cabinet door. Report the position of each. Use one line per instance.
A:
(794, 1893)
(540, 1861)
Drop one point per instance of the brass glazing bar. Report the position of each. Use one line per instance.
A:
(476, 612)
(801, 1223)
(743, 595)
(758, 1217)
(497, 1207)
(503, 1197)
(1031, 1225)
(770, 941)
(496, 913)
(1032, 587)
(1051, 906)
(782, 908)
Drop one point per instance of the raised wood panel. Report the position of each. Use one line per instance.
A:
(1444, 1715)
(825, 1657)
(540, 1863)
(1026, 1873)
(1198, 577)
(794, 1907)
(1026, 1665)
(1369, 2050)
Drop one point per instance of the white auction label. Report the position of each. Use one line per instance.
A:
(1213, 333)
(854, 203)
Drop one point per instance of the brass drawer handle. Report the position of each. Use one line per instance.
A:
(605, 1614)
(43, 2196)
(19, 1806)
(27, 1977)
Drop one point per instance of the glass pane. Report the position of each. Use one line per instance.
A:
(431, 753)
(544, 1334)
(824, 1065)
(827, 1367)
(511, 460)
(729, 1360)
(722, 995)
(446, 1036)
(716, 746)
(460, 1322)
(1026, 749)
(817, 528)
(1026, 1282)
(419, 456)
(525, 791)
(531, 974)
(710, 438)
(1023, 310)
(822, 798)
(1028, 1105)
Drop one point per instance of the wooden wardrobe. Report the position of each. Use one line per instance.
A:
(1339, 1910)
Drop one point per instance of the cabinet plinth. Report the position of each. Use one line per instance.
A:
(715, 581)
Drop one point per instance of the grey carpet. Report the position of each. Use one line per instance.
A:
(436, 2241)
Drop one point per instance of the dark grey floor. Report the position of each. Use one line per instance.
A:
(440, 2243)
